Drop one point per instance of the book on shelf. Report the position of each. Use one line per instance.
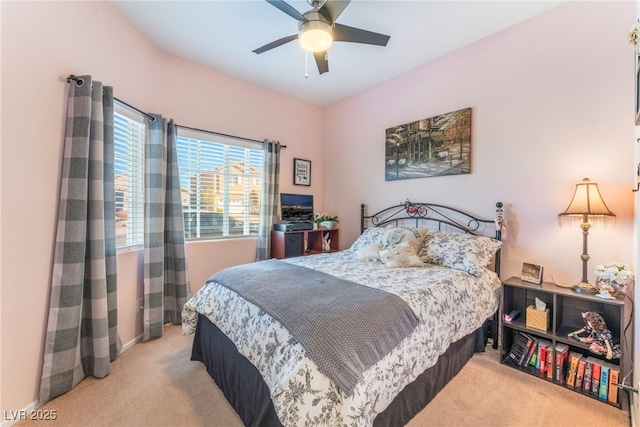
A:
(562, 355)
(604, 381)
(614, 373)
(596, 367)
(527, 347)
(540, 354)
(586, 380)
(517, 348)
(574, 359)
(532, 350)
(549, 367)
(533, 358)
(541, 363)
(580, 372)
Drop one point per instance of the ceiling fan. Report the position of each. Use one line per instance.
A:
(317, 30)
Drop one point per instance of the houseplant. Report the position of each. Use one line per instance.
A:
(325, 220)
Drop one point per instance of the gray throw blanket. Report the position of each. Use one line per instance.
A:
(344, 327)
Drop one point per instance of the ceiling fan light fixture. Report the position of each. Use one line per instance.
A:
(315, 36)
(317, 29)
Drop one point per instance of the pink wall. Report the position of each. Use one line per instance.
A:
(552, 102)
(44, 42)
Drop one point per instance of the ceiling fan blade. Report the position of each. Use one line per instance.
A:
(276, 43)
(332, 9)
(344, 33)
(288, 9)
(322, 61)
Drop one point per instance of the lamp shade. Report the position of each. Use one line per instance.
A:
(587, 201)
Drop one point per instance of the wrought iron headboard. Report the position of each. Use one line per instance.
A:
(434, 216)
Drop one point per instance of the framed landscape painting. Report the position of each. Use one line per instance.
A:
(436, 146)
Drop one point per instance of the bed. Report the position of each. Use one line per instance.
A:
(434, 260)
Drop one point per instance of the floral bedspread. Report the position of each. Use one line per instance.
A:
(449, 304)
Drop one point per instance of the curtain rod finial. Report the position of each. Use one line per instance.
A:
(76, 79)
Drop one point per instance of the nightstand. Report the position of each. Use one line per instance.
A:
(545, 350)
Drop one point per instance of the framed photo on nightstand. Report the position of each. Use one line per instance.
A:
(531, 273)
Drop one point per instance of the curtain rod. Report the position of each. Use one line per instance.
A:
(79, 81)
(224, 134)
(149, 116)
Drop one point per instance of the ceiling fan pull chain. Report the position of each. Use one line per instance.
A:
(306, 65)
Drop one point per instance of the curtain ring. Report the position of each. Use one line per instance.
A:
(78, 80)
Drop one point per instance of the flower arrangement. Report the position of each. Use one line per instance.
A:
(322, 217)
(634, 36)
(613, 278)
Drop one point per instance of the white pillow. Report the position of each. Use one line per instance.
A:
(368, 253)
(400, 255)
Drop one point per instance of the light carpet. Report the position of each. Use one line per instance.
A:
(155, 384)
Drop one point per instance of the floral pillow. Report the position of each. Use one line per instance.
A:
(464, 252)
(368, 253)
(387, 236)
(420, 233)
(396, 235)
(371, 236)
(400, 255)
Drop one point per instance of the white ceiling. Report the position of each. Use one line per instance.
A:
(222, 35)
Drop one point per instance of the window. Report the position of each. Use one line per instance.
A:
(129, 132)
(221, 179)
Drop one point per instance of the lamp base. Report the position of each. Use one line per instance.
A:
(585, 288)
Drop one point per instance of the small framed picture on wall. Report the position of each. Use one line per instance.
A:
(301, 172)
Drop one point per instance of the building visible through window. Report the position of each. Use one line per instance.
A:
(220, 180)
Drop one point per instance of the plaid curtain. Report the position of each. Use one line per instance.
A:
(176, 283)
(82, 337)
(165, 275)
(268, 197)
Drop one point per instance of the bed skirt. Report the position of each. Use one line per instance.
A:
(249, 395)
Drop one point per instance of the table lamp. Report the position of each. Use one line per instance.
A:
(586, 207)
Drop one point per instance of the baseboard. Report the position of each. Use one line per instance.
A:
(10, 417)
(131, 343)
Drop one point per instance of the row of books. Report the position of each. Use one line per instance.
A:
(588, 375)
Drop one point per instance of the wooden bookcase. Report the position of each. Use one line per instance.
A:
(286, 244)
(566, 307)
